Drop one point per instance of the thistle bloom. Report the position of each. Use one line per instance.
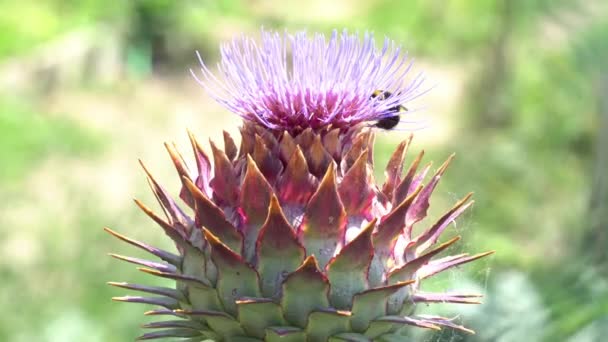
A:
(294, 82)
(288, 237)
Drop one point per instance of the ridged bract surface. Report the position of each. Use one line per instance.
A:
(288, 238)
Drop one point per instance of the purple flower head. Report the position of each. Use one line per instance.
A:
(292, 82)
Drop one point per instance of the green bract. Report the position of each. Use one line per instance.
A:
(288, 238)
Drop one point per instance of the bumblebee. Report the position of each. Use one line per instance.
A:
(388, 122)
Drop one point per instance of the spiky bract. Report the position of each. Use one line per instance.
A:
(289, 239)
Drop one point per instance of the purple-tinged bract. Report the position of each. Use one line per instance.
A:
(292, 82)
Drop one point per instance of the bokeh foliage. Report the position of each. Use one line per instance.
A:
(528, 139)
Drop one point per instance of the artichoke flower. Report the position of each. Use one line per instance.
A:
(287, 237)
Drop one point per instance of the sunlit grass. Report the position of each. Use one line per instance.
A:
(28, 137)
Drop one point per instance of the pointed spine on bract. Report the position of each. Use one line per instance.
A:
(291, 238)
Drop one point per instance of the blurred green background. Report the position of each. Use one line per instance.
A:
(87, 87)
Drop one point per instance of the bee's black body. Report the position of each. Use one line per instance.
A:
(388, 122)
